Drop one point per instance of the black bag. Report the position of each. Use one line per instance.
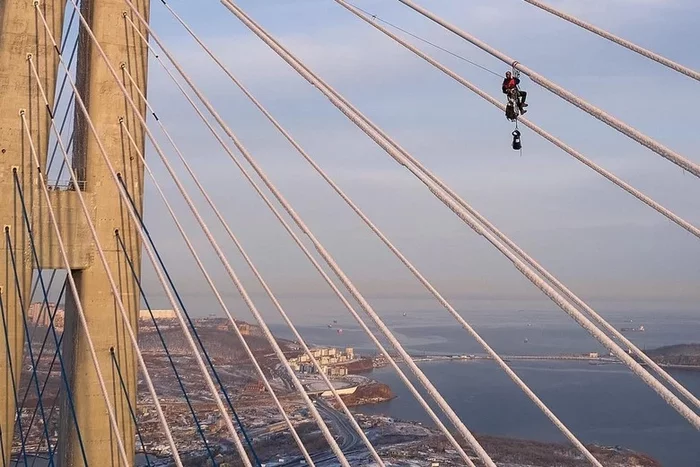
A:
(517, 145)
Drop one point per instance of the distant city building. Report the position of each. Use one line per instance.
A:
(157, 314)
(337, 371)
(59, 319)
(245, 328)
(330, 359)
(38, 314)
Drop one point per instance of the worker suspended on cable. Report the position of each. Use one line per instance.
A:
(510, 88)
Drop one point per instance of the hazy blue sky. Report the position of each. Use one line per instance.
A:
(605, 244)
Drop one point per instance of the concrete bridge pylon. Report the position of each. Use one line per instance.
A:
(22, 33)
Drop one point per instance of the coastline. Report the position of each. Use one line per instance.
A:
(403, 442)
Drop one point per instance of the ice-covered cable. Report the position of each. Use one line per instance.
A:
(594, 111)
(392, 149)
(597, 318)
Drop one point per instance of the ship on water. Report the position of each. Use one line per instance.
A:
(639, 329)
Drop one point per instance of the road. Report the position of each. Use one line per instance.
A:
(350, 441)
(342, 426)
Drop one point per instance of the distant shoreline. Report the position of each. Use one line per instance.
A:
(658, 355)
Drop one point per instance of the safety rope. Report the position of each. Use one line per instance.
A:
(426, 41)
(180, 381)
(20, 299)
(594, 111)
(130, 407)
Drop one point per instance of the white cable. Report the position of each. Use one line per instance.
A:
(618, 40)
(232, 274)
(318, 267)
(557, 142)
(335, 289)
(313, 260)
(401, 257)
(600, 114)
(110, 277)
(264, 284)
(74, 290)
(366, 306)
(391, 148)
(600, 320)
(237, 331)
(147, 247)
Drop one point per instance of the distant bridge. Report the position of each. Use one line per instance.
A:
(426, 358)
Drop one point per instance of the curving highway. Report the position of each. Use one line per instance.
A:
(342, 428)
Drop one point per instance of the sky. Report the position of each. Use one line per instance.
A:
(608, 247)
